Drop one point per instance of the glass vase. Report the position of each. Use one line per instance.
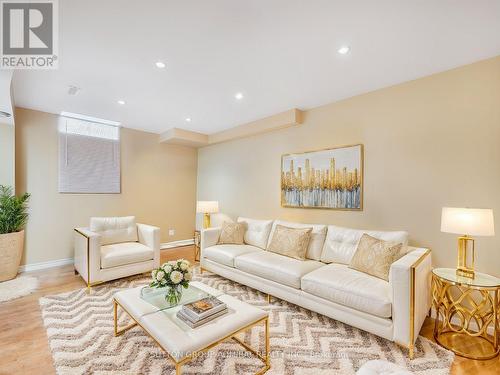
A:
(173, 295)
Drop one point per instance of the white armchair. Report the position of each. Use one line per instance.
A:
(115, 247)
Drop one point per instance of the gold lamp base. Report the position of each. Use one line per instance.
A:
(206, 221)
(466, 272)
(463, 267)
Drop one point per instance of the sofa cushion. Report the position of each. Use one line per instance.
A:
(341, 243)
(374, 257)
(341, 284)
(290, 242)
(114, 229)
(316, 242)
(231, 233)
(225, 254)
(275, 267)
(257, 231)
(120, 254)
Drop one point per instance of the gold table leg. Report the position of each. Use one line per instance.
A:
(268, 346)
(118, 332)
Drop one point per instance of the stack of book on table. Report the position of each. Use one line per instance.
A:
(197, 313)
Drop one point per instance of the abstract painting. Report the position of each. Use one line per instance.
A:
(331, 178)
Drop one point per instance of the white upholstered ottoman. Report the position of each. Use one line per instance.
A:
(179, 341)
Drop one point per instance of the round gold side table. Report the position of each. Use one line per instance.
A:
(466, 309)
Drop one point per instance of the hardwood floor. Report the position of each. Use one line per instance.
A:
(23, 342)
(24, 348)
(464, 366)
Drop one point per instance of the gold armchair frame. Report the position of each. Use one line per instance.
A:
(89, 284)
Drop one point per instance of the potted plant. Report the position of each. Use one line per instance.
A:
(13, 218)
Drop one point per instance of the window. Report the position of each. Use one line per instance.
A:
(89, 156)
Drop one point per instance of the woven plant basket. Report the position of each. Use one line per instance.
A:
(11, 250)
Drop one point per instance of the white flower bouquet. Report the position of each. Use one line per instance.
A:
(174, 276)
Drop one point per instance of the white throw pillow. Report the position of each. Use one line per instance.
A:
(341, 243)
(316, 242)
(257, 231)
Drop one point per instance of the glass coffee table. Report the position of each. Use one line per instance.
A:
(180, 342)
(156, 296)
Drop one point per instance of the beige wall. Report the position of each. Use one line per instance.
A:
(158, 187)
(429, 143)
(7, 154)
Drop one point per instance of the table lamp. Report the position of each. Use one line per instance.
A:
(207, 208)
(467, 222)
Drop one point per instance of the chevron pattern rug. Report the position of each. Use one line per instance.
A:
(80, 331)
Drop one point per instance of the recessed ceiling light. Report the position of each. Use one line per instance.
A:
(160, 64)
(121, 102)
(344, 50)
(188, 119)
(238, 96)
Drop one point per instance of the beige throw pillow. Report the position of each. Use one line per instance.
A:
(374, 256)
(291, 242)
(232, 233)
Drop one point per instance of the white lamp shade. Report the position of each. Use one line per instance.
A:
(469, 221)
(207, 207)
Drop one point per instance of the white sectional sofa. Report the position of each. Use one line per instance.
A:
(394, 310)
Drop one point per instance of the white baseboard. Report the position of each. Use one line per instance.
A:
(43, 265)
(64, 262)
(170, 245)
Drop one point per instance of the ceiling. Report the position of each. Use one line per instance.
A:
(280, 54)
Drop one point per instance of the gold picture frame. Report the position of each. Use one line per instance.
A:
(332, 179)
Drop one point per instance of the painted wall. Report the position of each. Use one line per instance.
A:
(7, 133)
(158, 187)
(7, 154)
(429, 143)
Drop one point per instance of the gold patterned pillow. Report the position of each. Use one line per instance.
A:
(291, 242)
(232, 233)
(374, 256)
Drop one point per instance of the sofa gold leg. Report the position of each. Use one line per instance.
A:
(268, 298)
(90, 285)
(411, 350)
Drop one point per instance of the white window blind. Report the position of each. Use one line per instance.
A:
(89, 157)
